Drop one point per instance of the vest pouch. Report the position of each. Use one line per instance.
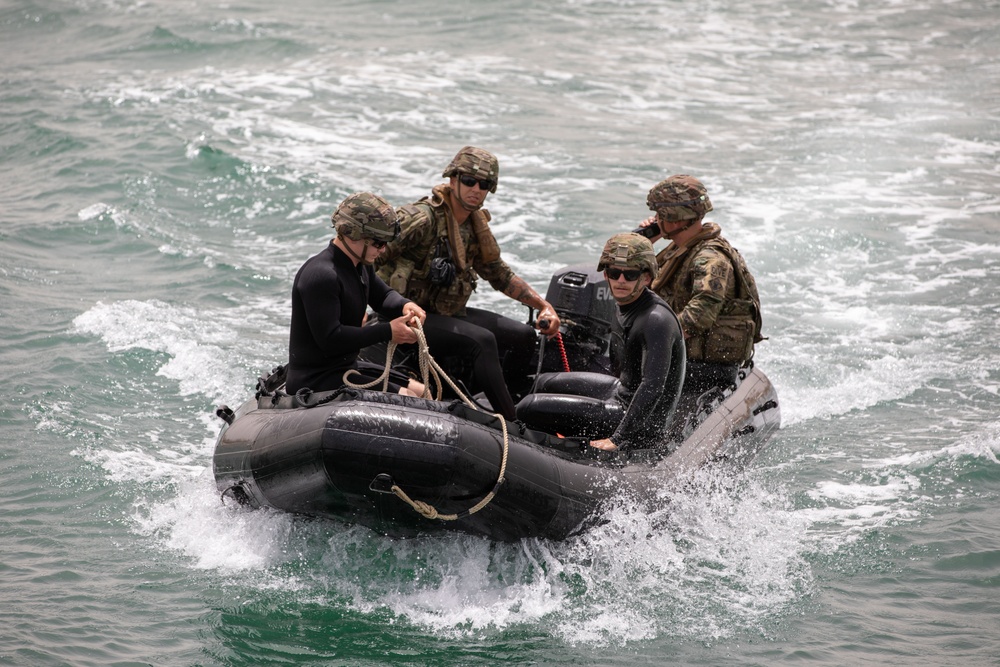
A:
(451, 301)
(400, 277)
(442, 272)
(418, 291)
(730, 341)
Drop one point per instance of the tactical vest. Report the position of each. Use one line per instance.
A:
(731, 339)
(413, 279)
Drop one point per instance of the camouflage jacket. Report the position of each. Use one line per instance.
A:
(427, 231)
(709, 286)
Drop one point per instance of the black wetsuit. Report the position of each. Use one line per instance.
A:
(634, 410)
(329, 298)
(499, 348)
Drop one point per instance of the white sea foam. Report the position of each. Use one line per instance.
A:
(215, 535)
(722, 550)
(182, 510)
(841, 301)
(94, 211)
(889, 491)
(340, 143)
(690, 569)
(206, 355)
(984, 444)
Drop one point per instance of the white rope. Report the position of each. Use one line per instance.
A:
(430, 370)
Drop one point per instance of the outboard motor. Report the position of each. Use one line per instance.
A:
(583, 300)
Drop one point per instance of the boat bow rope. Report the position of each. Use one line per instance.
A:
(430, 370)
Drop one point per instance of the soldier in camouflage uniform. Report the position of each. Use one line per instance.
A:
(706, 282)
(444, 246)
(331, 293)
(634, 408)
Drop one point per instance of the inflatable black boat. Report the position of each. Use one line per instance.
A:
(404, 466)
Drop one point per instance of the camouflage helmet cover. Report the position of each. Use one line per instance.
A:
(680, 197)
(475, 162)
(364, 215)
(628, 251)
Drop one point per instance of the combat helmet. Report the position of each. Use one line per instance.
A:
(680, 197)
(475, 162)
(628, 250)
(364, 215)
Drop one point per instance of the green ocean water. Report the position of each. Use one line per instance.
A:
(167, 167)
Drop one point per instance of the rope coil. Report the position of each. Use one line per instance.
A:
(430, 370)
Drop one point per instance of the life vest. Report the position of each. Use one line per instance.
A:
(421, 280)
(731, 338)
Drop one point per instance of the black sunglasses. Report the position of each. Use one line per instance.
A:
(378, 245)
(631, 275)
(469, 181)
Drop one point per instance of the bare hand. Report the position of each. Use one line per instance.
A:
(548, 322)
(651, 220)
(412, 310)
(605, 444)
(402, 333)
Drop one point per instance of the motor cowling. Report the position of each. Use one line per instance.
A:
(582, 298)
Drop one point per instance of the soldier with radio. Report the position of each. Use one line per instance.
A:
(707, 283)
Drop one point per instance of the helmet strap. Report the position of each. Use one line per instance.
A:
(364, 254)
(458, 195)
(360, 259)
(686, 227)
(640, 284)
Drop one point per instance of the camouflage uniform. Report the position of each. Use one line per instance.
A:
(436, 262)
(428, 231)
(708, 285)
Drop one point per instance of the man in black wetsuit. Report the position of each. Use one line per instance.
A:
(331, 293)
(635, 409)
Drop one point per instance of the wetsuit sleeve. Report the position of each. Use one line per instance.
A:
(658, 332)
(321, 293)
(383, 299)
(711, 278)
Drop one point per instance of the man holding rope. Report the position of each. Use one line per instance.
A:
(331, 294)
(444, 247)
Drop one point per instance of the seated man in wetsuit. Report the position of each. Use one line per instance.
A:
(331, 294)
(634, 410)
(444, 247)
